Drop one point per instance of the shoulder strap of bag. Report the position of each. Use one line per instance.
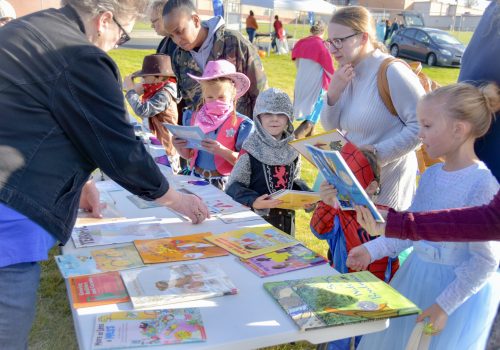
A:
(383, 83)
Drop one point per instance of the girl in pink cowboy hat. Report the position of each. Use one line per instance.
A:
(225, 129)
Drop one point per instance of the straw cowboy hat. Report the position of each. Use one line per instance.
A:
(158, 64)
(225, 69)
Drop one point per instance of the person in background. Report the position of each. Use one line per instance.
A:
(251, 26)
(225, 128)
(158, 103)
(387, 30)
(455, 284)
(7, 12)
(62, 116)
(267, 163)
(314, 68)
(340, 230)
(199, 42)
(280, 37)
(394, 28)
(353, 103)
(380, 30)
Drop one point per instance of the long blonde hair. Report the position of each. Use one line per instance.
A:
(359, 19)
(469, 103)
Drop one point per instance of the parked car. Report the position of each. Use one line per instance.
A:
(432, 46)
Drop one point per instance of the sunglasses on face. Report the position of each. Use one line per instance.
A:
(338, 43)
(124, 37)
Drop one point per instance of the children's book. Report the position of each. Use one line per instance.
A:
(294, 200)
(179, 248)
(340, 299)
(252, 241)
(192, 134)
(130, 329)
(94, 290)
(143, 204)
(332, 140)
(124, 231)
(283, 260)
(242, 216)
(335, 170)
(97, 261)
(164, 285)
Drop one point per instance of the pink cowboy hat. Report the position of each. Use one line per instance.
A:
(225, 69)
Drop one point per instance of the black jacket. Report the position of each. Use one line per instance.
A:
(62, 114)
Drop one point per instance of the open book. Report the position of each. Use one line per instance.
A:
(335, 170)
(332, 140)
(164, 285)
(337, 300)
(192, 134)
(294, 200)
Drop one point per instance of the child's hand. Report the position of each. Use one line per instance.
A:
(328, 194)
(265, 202)
(359, 258)
(437, 318)
(309, 207)
(128, 83)
(366, 220)
(212, 146)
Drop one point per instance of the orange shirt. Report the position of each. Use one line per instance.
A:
(252, 23)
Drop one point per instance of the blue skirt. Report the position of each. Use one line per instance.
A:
(422, 282)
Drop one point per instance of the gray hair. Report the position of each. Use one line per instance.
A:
(120, 8)
(156, 7)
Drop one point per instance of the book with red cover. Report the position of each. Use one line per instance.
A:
(100, 289)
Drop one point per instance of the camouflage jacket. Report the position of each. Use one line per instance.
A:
(229, 45)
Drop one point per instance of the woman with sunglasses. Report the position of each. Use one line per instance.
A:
(62, 116)
(353, 103)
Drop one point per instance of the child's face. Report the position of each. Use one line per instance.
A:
(221, 91)
(436, 129)
(274, 124)
(151, 79)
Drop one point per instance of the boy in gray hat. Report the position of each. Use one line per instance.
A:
(267, 163)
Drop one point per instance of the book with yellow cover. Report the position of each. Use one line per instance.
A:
(252, 241)
(332, 140)
(294, 200)
(100, 289)
(179, 248)
(337, 300)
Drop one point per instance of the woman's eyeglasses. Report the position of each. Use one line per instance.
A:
(124, 37)
(338, 43)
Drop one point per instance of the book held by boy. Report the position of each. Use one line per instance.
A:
(180, 248)
(283, 260)
(295, 200)
(252, 241)
(97, 261)
(192, 134)
(340, 299)
(332, 140)
(168, 284)
(130, 329)
(123, 231)
(335, 170)
(100, 289)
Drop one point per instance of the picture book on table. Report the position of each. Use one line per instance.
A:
(332, 140)
(339, 299)
(283, 260)
(252, 241)
(123, 231)
(167, 284)
(335, 170)
(97, 261)
(295, 200)
(192, 134)
(178, 248)
(129, 329)
(100, 289)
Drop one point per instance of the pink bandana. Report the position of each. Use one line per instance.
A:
(212, 115)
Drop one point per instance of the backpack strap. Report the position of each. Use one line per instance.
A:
(383, 83)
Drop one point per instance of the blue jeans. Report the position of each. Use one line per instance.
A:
(18, 295)
(251, 34)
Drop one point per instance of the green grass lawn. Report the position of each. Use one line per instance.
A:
(53, 328)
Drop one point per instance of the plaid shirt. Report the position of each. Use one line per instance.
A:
(228, 45)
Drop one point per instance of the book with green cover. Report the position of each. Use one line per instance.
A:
(338, 300)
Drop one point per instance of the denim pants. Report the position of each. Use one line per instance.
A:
(18, 295)
(251, 34)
